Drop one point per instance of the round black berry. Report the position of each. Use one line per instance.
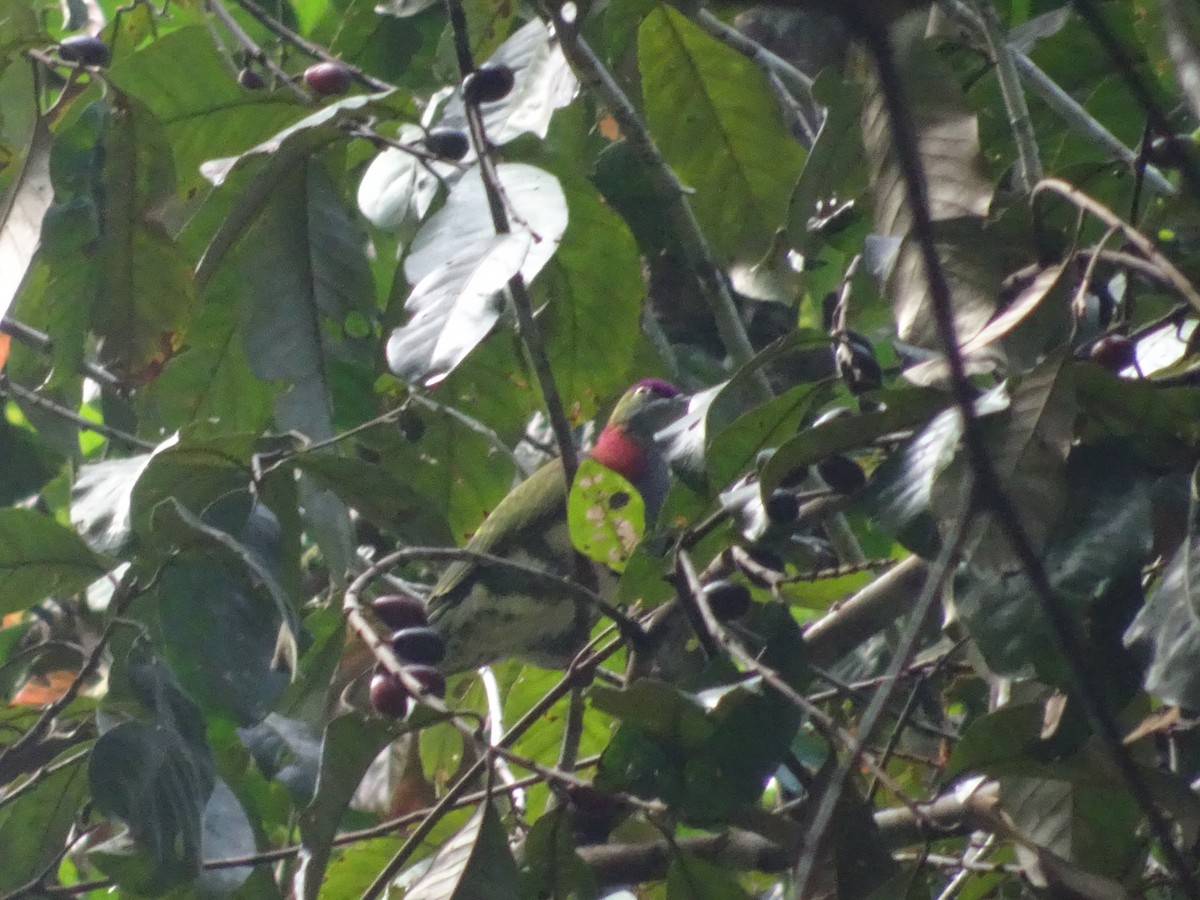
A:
(84, 48)
(727, 599)
(487, 84)
(842, 474)
(447, 143)
(420, 644)
(783, 507)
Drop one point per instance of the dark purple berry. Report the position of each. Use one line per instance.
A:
(1114, 351)
(783, 507)
(251, 80)
(420, 644)
(388, 694)
(398, 611)
(842, 474)
(447, 143)
(727, 599)
(328, 79)
(84, 48)
(487, 84)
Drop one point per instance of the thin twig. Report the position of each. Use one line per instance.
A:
(43, 343)
(316, 51)
(1063, 104)
(126, 591)
(1029, 164)
(16, 392)
(1135, 83)
(217, 8)
(906, 646)
(755, 51)
(579, 669)
(720, 636)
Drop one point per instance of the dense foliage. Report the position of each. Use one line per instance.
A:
(295, 291)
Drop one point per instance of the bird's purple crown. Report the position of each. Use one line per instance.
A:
(659, 387)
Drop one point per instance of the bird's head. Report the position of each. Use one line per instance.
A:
(628, 437)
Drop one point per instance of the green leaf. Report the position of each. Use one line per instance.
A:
(21, 213)
(189, 532)
(156, 778)
(40, 558)
(903, 408)
(348, 746)
(146, 294)
(591, 324)
(476, 862)
(220, 640)
(692, 878)
(713, 114)
(959, 194)
(190, 89)
(733, 451)
(606, 515)
(208, 386)
(34, 826)
(377, 493)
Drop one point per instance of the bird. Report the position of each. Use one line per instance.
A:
(486, 614)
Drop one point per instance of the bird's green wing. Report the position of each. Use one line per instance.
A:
(522, 517)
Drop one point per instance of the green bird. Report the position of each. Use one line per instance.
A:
(486, 614)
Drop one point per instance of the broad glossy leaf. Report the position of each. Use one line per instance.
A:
(1092, 826)
(146, 294)
(692, 878)
(593, 294)
(208, 386)
(40, 558)
(100, 501)
(1167, 629)
(377, 493)
(457, 468)
(903, 409)
(834, 165)
(226, 832)
(537, 208)
(398, 187)
(734, 450)
(453, 308)
(220, 639)
(712, 112)
(287, 750)
(1102, 537)
(948, 144)
(252, 555)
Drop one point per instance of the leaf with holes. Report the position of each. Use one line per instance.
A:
(606, 515)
